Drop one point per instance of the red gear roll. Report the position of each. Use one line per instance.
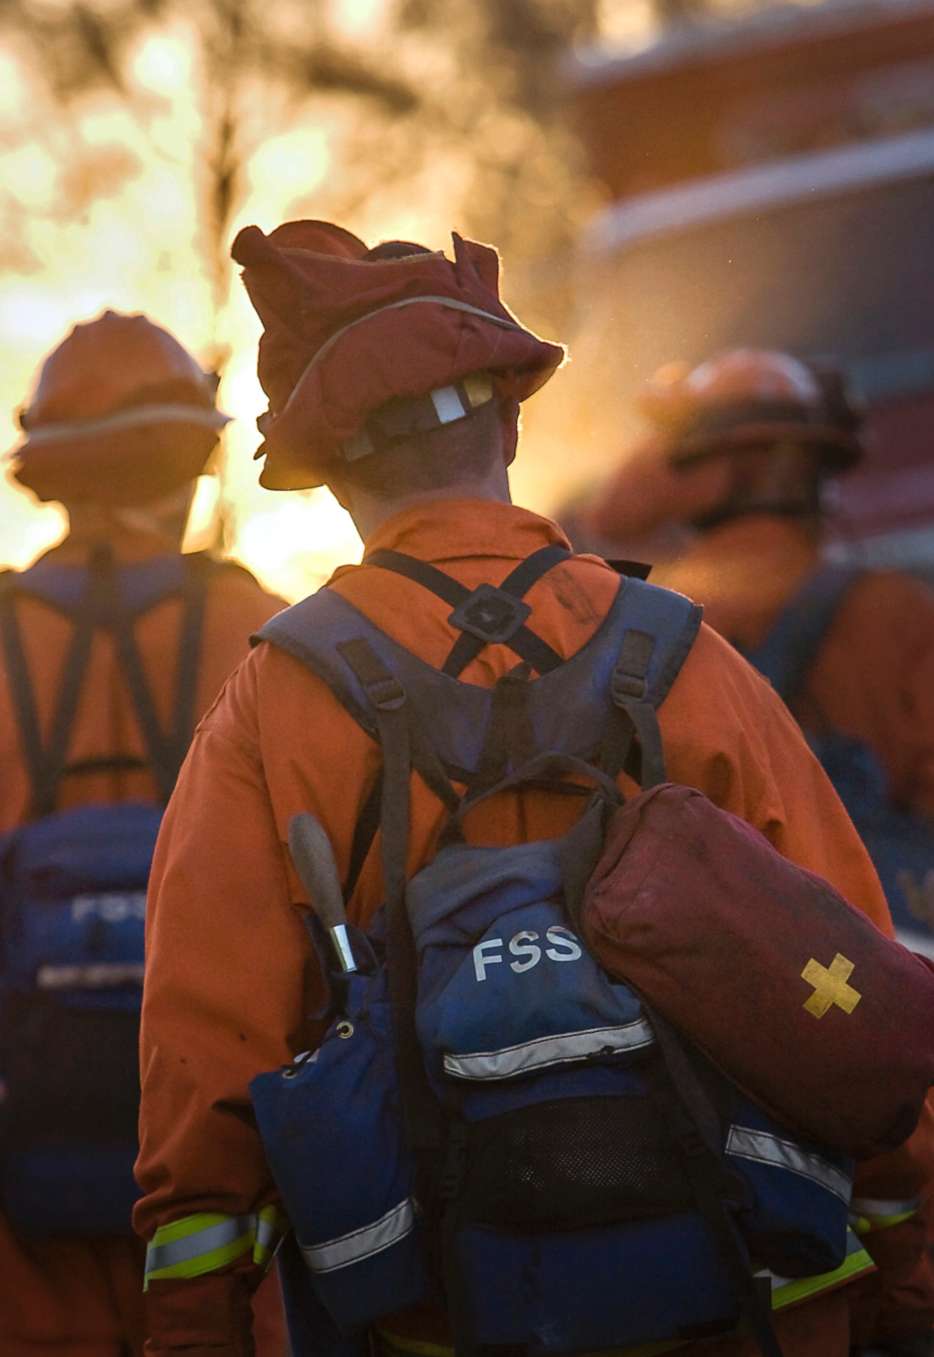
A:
(790, 989)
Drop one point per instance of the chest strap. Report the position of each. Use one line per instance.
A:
(489, 614)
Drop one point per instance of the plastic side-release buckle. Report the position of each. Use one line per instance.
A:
(490, 614)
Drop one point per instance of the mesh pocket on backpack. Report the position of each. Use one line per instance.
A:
(71, 1075)
(573, 1163)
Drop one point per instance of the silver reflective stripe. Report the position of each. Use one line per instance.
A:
(127, 419)
(764, 1148)
(544, 1051)
(159, 1256)
(362, 1243)
(268, 1232)
(448, 405)
(99, 976)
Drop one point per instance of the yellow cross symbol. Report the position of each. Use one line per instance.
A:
(830, 986)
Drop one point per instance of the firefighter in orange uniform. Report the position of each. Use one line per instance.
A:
(735, 460)
(393, 376)
(120, 425)
(739, 451)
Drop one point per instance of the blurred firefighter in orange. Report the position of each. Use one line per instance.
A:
(739, 451)
(114, 644)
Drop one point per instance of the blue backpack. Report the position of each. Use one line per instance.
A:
(72, 909)
(897, 841)
(491, 1121)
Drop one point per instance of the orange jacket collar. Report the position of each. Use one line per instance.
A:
(463, 529)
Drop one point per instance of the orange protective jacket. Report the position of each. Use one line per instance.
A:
(873, 677)
(69, 1298)
(230, 974)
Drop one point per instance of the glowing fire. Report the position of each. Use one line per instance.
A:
(101, 211)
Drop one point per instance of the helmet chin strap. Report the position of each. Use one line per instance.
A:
(778, 506)
(162, 520)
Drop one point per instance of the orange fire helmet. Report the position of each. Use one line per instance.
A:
(121, 414)
(753, 397)
(747, 398)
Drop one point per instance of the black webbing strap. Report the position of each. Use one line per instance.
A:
(158, 745)
(76, 662)
(629, 689)
(21, 692)
(524, 642)
(103, 606)
(509, 738)
(697, 1133)
(194, 599)
(421, 1115)
(517, 583)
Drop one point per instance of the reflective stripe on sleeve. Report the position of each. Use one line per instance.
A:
(543, 1052)
(271, 1227)
(764, 1148)
(353, 1247)
(205, 1242)
(876, 1213)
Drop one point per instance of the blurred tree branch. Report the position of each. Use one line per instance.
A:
(472, 86)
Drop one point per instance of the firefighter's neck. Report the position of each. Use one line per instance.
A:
(370, 512)
(156, 526)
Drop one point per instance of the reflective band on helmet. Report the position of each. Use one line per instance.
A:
(545, 1051)
(787, 1292)
(874, 1213)
(205, 1242)
(127, 419)
(363, 1243)
(763, 1148)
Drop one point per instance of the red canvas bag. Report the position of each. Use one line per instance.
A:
(795, 994)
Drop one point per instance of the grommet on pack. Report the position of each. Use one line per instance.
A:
(345, 1029)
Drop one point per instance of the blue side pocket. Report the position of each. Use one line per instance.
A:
(332, 1130)
(800, 1194)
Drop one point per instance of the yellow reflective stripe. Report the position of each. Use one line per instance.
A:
(271, 1227)
(785, 1293)
(205, 1242)
(871, 1213)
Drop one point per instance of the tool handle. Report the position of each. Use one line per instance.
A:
(314, 861)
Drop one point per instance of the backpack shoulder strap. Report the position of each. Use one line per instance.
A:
(489, 614)
(659, 629)
(14, 659)
(94, 596)
(787, 654)
(629, 664)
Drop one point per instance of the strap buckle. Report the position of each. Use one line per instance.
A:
(490, 614)
(385, 692)
(625, 688)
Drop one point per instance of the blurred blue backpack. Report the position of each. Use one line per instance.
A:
(72, 908)
(897, 841)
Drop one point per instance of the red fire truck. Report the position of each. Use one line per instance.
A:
(773, 185)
